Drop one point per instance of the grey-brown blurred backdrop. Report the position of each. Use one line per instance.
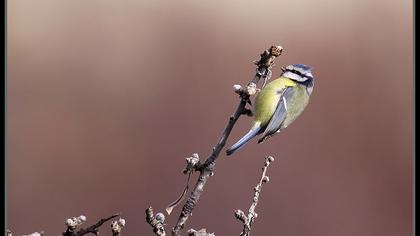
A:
(106, 98)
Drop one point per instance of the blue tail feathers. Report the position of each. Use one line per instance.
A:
(245, 139)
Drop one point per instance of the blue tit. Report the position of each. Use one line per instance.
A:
(279, 103)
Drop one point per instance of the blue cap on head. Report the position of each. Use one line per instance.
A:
(303, 67)
(299, 72)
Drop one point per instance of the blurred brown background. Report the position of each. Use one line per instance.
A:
(106, 99)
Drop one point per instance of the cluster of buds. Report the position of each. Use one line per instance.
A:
(193, 162)
(250, 89)
(73, 223)
(117, 225)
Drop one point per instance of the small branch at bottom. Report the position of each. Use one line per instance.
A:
(247, 220)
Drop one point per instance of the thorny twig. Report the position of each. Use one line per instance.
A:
(206, 169)
(248, 219)
(73, 223)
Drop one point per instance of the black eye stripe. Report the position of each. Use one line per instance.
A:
(299, 73)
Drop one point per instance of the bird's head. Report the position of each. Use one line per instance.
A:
(298, 72)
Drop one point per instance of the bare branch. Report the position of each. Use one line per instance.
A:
(247, 220)
(206, 170)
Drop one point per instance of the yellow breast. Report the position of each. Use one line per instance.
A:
(268, 98)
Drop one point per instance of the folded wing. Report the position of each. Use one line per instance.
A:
(279, 114)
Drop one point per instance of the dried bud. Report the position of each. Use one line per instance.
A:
(149, 213)
(265, 179)
(192, 162)
(82, 218)
(121, 222)
(240, 215)
(160, 217)
(115, 227)
(276, 50)
(237, 88)
(251, 89)
(69, 222)
(193, 159)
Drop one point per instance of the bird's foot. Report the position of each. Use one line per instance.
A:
(247, 112)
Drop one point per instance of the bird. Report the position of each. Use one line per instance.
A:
(278, 104)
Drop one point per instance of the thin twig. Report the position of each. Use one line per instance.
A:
(206, 170)
(248, 219)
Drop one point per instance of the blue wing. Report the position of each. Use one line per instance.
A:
(279, 114)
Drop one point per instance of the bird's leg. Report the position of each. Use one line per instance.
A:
(247, 112)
